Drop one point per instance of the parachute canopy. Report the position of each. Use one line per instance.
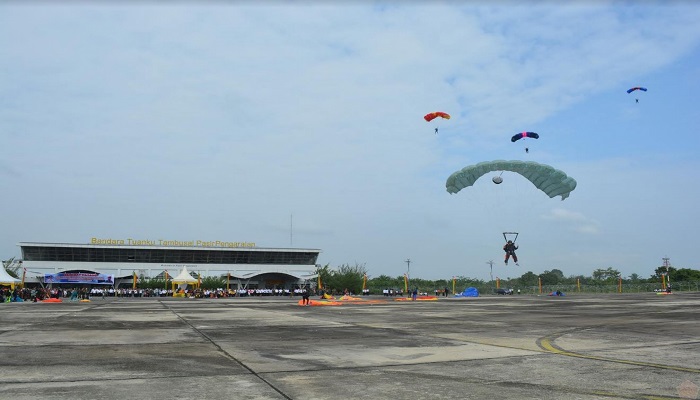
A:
(469, 292)
(551, 181)
(636, 88)
(431, 116)
(524, 135)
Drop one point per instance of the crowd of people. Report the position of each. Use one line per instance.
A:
(392, 292)
(84, 293)
(40, 294)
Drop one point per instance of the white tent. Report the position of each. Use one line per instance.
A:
(7, 279)
(184, 278)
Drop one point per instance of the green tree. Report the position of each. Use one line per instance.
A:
(553, 277)
(324, 273)
(528, 279)
(213, 282)
(381, 282)
(662, 271)
(347, 277)
(684, 275)
(606, 275)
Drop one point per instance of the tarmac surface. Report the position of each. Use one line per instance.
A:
(619, 346)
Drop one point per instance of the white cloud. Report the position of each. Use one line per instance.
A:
(574, 219)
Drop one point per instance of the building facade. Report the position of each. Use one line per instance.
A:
(108, 261)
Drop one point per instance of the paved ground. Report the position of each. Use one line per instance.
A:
(637, 346)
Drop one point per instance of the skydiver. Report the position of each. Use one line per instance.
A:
(637, 100)
(436, 130)
(527, 150)
(510, 248)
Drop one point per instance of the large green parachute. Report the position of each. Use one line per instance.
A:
(548, 179)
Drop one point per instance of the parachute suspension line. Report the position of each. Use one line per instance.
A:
(505, 236)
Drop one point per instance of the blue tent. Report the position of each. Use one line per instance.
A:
(469, 292)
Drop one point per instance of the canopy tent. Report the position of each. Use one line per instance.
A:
(183, 279)
(7, 279)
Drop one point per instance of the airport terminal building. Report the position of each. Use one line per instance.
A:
(115, 261)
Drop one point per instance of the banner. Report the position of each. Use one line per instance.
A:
(79, 277)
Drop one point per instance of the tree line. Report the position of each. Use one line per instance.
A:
(355, 277)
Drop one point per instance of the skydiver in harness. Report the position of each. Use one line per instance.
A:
(436, 131)
(510, 248)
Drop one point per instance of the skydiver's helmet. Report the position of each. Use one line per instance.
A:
(510, 242)
(497, 179)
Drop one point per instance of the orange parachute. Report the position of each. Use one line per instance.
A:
(431, 116)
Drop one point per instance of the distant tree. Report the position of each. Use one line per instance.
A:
(579, 279)
(382, 282)
(213, 282)
(552, 277)
(608, 274)
(662, 271)
(325, 273)
(684, 275)
(347, 277)
(529, 279)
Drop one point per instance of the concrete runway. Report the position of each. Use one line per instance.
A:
(624, 346)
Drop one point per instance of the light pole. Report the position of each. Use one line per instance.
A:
(667, 264)
(490, 263)
(408, 275)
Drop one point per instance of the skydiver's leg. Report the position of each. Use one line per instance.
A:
(507, 257)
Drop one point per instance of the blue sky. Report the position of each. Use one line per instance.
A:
(248, 121)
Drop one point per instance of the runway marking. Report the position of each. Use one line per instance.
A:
(547, 343)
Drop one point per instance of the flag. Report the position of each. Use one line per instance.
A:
(166, 279)
(453, 284)
(405, 283)
(319, 281)
(364, 283)
(24, 273)
(135, 279)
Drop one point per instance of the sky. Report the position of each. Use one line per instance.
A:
(300, 124)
